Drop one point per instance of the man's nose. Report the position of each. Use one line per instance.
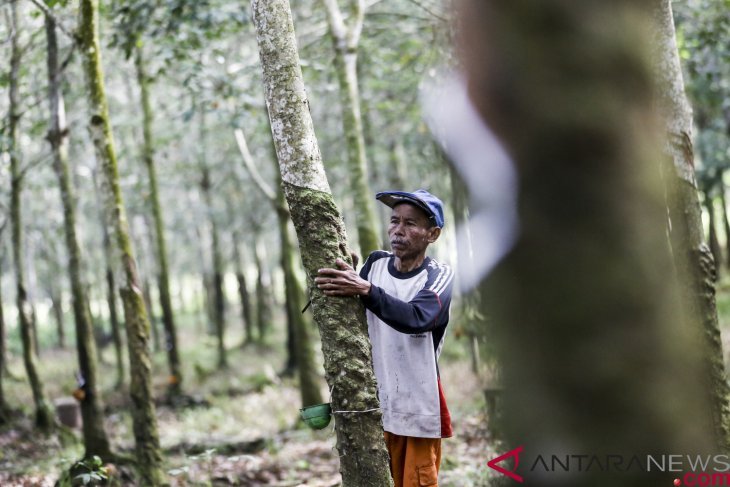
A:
(398, 229)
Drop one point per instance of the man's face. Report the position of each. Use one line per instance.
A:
(410, 231)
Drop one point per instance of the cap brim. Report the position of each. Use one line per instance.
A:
(392, 199)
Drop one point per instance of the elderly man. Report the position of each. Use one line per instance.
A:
(407, 296)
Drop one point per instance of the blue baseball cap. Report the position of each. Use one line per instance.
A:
(433, 206)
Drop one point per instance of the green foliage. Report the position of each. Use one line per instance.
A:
(87, 472)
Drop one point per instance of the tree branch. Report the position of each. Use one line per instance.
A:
(251, 167)
(47, 12)
(336, 22)
(428, 10)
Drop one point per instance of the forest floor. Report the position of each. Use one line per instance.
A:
(247, 430)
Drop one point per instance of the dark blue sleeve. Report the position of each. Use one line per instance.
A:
(427, 310)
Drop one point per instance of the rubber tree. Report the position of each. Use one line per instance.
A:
(4, 409)
(219, 299)
(147, 443)
(44, 419)
(693, 258)
(301, 340)
(585, 305)
(111, 288)
(163, 279)
(345, 345)
(345, 35)
(96, 441)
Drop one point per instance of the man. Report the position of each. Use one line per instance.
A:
(407, 296)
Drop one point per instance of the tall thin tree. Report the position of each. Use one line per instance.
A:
(163, 278)
(96, 441)
(345, 38)
(147, 441)
(320, 230)
(43, 415)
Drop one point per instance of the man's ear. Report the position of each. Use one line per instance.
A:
(434, 234)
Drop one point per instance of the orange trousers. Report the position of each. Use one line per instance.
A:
(413, 461)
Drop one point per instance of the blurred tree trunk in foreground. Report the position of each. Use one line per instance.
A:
(320, 229)
(345, 39)
(4, 409)
(693, 259)
(96, 441)
(163, 278)
(147, 442)
(725, 224)
(586, 303)
(43, 416)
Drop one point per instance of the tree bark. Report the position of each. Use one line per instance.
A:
(3, 351)
(96, 441)
(168, 318)
(585, 305)
(692, 257)
(348, 363)
(143, 408)
(44, 419)
(345, 39)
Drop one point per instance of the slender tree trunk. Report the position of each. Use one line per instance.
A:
(57, 309)
(147, 297)
(345, 39)
(143, 408)
(3, 352)
(692, 257)
(725, 223)
(219, 300)
(263, 294)
(96, 441)
(43, 416)
(111, 291)
(592, 258)
(168, 319)
(712, 235)
(246, 315)
(320, 229)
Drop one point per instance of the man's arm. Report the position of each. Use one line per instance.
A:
(418, 315)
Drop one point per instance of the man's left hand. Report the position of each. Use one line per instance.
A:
(344, 281)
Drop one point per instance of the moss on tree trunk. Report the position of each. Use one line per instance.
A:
(138, 327)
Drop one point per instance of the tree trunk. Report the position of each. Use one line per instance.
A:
(263, 294)
(111, 292)
(348, 363)
(3, 352)
(44, 419)
(143, 408)
(585, 305)
(246, 315)
(168, 319)
(345, 39)
(57, 309)
(725, 223)
(147, 298)
(96, 441)
(692, 257)
(712, 235)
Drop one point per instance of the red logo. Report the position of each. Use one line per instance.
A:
(509, 473)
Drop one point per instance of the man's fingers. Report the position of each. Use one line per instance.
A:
(342, 264)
